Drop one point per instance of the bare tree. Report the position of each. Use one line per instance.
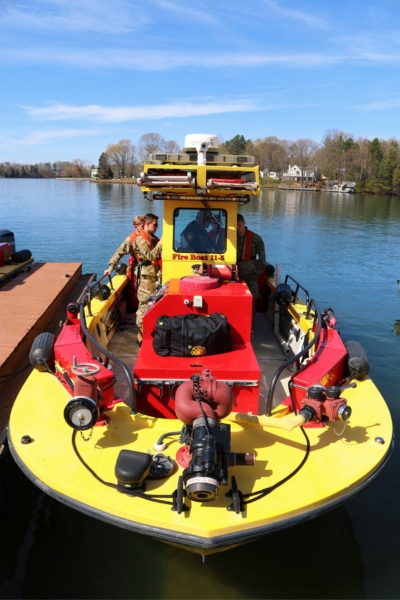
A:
(171, 146)
(150, 143)
(82, 167)
(302, 152)
(123, 155)
(271, 153)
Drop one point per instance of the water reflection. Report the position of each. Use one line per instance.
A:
(64, 554)
(343, 249)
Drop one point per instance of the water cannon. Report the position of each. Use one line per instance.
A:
(200, 403)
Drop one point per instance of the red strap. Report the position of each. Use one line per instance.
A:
(133, 237)
(247, 245)
(218, 180)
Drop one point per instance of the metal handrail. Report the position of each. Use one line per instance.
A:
(132, 395)
(299, 286)
(292, 360)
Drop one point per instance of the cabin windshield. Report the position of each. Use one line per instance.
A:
(201, 230)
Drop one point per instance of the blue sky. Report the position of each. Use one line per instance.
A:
(77, 75)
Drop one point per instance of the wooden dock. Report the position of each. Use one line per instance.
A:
(31, 303)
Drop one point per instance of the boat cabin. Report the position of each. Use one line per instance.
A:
(201, 190)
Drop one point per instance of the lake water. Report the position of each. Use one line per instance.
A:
(345, 250)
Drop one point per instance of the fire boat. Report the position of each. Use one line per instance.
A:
(226, 423)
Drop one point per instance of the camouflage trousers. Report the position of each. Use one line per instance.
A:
(253, 287)
(248, 273)
(147, 286)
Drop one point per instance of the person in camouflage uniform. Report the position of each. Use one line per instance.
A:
(251, 257)
(147, 248)
(126, 247)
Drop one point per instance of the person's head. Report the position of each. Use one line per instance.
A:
(138, 222)
(204, 218)
(150, 223)
(241, 225)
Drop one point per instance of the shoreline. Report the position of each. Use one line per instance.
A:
(129, 181)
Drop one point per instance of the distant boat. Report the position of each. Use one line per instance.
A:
(342, 188)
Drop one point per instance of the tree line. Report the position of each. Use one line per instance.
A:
(373, 165)
(77, 168)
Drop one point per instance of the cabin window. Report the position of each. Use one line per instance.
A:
(199, 230)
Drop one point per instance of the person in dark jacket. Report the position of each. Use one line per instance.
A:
(251, 257)
(195, 237)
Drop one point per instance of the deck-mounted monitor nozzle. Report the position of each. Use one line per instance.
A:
(200, 403)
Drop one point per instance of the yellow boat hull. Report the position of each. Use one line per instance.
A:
(339, 464)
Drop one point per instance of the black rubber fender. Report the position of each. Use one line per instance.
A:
(357, 365)
(21, 256)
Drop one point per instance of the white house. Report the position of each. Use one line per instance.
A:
(271, 174)
(94, 173)
(294, 174)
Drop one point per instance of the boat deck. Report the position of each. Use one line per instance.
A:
(266, 347)
(29, 303)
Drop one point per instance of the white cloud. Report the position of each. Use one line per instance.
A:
(117, 114)
(186, 10)
(164, 61)
(40, 137)
(295, 15)
(379, 57)
(380, 105)
(75, 15)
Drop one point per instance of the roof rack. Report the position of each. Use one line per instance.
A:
(191, 158)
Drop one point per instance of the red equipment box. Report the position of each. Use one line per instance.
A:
(5, 253)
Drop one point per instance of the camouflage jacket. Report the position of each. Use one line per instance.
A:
(124, 249)
(257, 262)
(148, 256)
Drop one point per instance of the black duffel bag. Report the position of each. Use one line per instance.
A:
(192, 335)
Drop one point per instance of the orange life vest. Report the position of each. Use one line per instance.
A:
(153, 241)
(247, 245)
(133, 237)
